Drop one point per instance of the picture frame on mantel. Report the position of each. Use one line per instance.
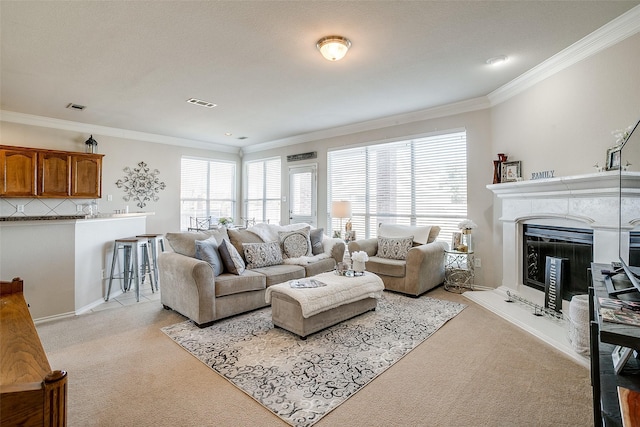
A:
(613, 158)
(511, 171)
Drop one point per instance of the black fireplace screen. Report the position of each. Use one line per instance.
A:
(573, 244)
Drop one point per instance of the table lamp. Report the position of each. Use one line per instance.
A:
(341, 209)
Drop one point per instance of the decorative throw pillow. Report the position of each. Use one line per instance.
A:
(231, 259)
(296, 243)
(394, 247)
(207, 250)
(420, 234)
(262, 254)
(316, 241)
(239, 237)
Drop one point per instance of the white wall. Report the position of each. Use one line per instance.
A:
(564, 123)
(479, 172)
(120, 153)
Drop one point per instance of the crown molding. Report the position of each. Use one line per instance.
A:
(48, 122)
(624, 26)
(461, 107)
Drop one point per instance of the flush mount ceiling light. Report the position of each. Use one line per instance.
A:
(333, 48)
(497, 60)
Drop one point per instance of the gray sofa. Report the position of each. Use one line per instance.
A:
(189, 286)
(420, 271)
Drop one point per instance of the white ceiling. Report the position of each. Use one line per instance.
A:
(134, 64)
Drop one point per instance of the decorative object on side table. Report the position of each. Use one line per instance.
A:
(511, 171)
(466, 242)
(358, 259)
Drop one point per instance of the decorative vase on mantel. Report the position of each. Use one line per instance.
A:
(467, 239)
(496, 171)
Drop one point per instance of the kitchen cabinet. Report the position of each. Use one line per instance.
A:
(18, 172)
(32, 172)
(86, 175)
(53, 174)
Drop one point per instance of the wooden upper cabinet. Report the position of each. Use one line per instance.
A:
(32, 172)
(86, 175)
(54, 177)
(19, 170)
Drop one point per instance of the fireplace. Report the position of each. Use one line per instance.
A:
(586, 203)
(573, 245)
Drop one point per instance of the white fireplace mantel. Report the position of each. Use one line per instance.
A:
(601, 184)
(588, 201)
(581, 201)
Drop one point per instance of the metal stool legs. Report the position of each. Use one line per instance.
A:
(153, 240)
(133, 266)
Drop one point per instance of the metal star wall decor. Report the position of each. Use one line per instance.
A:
(141, 184)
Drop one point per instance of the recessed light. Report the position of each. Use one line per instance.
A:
(228, 134)
(201, 103)
(497, 60)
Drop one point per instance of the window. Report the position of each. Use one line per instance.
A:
(207, 188)
(416, 182)
(262, 203)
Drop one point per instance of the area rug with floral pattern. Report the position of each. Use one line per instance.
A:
(302, 380)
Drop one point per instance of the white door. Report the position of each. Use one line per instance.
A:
(302, 194)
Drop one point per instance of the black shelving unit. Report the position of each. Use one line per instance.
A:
(605, 336)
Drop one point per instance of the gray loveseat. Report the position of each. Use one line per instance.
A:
(420, 270)
(190, 286)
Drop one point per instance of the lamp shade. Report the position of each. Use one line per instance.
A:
(341, 209)
(333, 48)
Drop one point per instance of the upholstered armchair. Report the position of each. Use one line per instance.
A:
(407, 259)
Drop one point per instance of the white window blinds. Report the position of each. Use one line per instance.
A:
(263, 190)
(207, 188)
(416, 182)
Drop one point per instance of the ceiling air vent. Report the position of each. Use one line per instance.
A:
(302, 156)
(201, 103)
(73, 106)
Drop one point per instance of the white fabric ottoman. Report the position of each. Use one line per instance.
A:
(304, 311)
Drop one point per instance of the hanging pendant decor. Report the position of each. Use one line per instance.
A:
(141, 184)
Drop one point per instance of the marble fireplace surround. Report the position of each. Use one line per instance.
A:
(587, 201)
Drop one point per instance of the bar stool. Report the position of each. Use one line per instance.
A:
(133, 265)
(153, 240)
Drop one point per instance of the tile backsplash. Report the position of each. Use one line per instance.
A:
(45, 207)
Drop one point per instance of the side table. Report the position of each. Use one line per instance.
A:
(458, 271)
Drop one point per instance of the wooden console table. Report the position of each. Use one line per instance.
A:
(31, 394)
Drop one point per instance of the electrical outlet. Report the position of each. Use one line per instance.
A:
(477, 262)
(78, 208)
(102, 274)
(20, 208)
(110, 198)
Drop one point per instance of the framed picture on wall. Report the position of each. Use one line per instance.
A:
(613, 158)
(511, 171)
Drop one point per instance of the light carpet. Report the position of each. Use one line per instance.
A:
(303, 380)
